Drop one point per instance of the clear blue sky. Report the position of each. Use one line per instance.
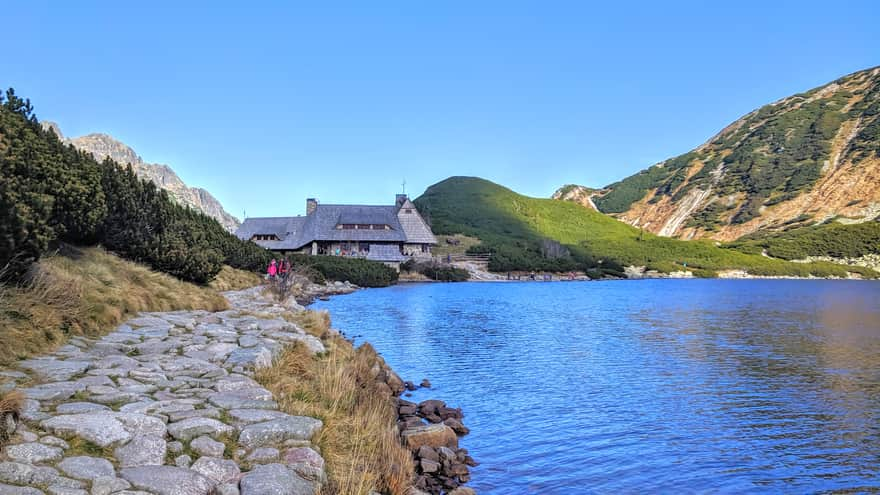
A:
(267, 105)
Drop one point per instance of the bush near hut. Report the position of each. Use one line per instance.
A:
(440, 272)
(364, 273)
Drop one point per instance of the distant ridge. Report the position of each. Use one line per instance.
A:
(104, 146)
(799, 161)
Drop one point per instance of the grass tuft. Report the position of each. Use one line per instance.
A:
(11, 403)
(79, 446)
(359, 440)
(234, 279)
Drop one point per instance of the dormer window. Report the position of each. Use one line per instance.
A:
(362, 226)
(264, 237)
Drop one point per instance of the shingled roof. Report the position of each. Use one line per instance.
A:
(321, 224)
(414, 226)
(403, 221)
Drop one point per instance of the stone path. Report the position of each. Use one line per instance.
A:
(166, 404)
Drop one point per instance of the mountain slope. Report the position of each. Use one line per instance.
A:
(104, 146)
(811, 156)
(517, 229)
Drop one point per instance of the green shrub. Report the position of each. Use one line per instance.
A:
(436, 271)
(360, 272)
(833, 239)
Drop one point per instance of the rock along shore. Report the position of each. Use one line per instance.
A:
(166, 404)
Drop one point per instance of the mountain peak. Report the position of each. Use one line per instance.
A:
(800, 160)
(102, 146)
(581, 195)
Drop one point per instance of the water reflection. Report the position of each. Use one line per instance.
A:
(739, 386)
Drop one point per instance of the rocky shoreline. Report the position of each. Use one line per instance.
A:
(430, 430)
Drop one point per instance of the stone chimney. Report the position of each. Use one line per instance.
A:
(400, 199)
(311, 205)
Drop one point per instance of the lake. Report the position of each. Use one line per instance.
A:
(759, 386)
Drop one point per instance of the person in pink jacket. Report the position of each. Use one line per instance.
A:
(273, 269)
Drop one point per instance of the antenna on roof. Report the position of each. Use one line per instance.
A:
(404, 186)
(243, 214)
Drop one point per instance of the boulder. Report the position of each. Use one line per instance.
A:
(86, 468)
(105, 485)
(142, 450)
(219, 470)
(274, 432)
(102, 429)
(429, 466)
(206, 446)
(395, 383)
(193, 427)
(54, 391)
(250, 416)
(168, 480)
(80, 407)
(305, 462)
(26, 474)
(249, 398)
(33, 453)
(427, 452)
(250, 357)
(435, 435)
(275, 479)
(18, 490)
(263, 455)
(53, 369)
(456, 426)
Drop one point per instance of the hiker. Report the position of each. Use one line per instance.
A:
(285, 269)
(272, 271)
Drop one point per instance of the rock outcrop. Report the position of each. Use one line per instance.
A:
(581, 195)
(103, 146)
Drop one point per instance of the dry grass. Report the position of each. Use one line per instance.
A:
(234, 279)
(359, 441)
(10, 403)
(443, 248)
(86, 292)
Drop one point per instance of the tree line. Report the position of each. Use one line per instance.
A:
(52, 193)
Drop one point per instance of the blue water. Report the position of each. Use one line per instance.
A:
(737, 386)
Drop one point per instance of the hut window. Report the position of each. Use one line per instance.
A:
(363, 226)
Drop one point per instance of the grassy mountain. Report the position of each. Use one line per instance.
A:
(103, 146)
(811, 156)
(524, 233)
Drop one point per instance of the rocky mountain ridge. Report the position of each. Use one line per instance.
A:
(106, 146)
(799, 161)
(578, 194)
